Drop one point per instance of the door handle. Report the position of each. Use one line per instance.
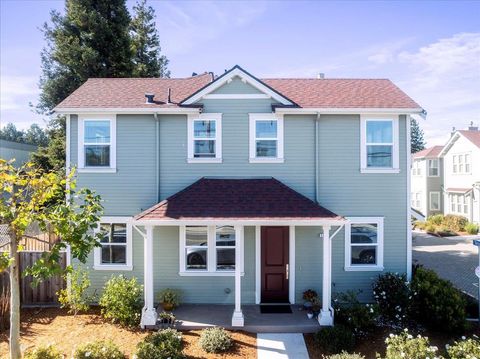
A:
(286, 271)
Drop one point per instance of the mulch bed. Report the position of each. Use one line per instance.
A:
(55, 326)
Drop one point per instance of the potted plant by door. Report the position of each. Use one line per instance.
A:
(170, 298)
(316, 305)
(309, 296)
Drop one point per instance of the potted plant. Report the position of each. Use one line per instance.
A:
(170, 298)
(308, 296)
(316, 305)
(310, 314)
(166, 320)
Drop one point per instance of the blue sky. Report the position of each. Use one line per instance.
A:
(430, 49)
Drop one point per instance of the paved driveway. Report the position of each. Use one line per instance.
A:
(454, 259)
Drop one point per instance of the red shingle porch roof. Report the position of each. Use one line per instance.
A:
(237, 199)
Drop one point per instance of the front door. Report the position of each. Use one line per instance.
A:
(274, 258)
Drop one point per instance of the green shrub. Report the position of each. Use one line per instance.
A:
(471, 228)
(419, 224)
(466, 348)
(75, 298)
(455, 223)
(121, 301)
(438, 304)
(406, 346)
(436, 219)
(170, 296)
(335, 339)
(215, 340)
(164, 344)
(98, 350)
(48, 352)
(358, 317)
(344, 355)
(393, 294)
(444, 231)
(430, 228)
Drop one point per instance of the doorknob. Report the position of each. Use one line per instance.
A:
(286, 271)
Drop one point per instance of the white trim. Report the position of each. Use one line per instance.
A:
(240, 96)
(125, 111)
(67, 146)
(237, 317)
(217, 117)
(246, 78)
(430, 200)
(326, 314)
(258, 265)
(245, 222)
(409, 199)
(291, 265)
(97, 170)
(395, 144)
(348, 111)
(349, 267)
(149, 314)
(428, 167)
(253, 117)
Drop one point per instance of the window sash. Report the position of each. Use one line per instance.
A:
(266, 152)
(380, 160)
(354, 250)
(114, 252)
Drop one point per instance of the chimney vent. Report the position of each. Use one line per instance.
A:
(149, 97)
(169, 94)
(320, 76)
(472, 127)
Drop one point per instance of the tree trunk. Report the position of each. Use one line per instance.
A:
(14, 300)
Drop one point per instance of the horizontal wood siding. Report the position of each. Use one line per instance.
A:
(237, 86)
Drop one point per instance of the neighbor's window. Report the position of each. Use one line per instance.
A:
(459, 203)
(455, 163)
(434, 201)
(225, 247)
(462, 163)
(97, 143)
(364, 244)
(417, 199)
(433, 168)
(416, 168)
(467, 163)
(196, 247)
(114, 243)
(266, 138)
(204, 137)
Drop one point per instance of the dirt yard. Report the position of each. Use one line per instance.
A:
(55, 326)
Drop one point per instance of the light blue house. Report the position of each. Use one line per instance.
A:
(14, 150)
(237, 190)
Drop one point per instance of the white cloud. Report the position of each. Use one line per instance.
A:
(17, 91)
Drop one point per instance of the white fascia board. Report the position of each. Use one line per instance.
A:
(247, 222)
(120, 111)
(353, 111)
(451, 141)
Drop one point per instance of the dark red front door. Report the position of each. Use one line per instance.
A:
(274, 264)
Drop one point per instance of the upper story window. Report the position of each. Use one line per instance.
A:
(96, 143)
(115, 251)
(379, 144)
(266, 138)
(205, 137)
(433, 170)
(461, 163)
(364, 244)
(416, 168)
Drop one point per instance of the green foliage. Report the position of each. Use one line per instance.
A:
(466, 348)
(344, 355)
(393, 295)
(405, 345)
(121, 301)
(455, 222)
(170, 296)
(51, 158)
(335, 339)
(417, 141)
(34, 135)
(436, 219)
(437, 303)
(75, 298)
(165, 344)
(360, 318)
(48, 352)
(471, 228)
(98, 350)
(215, 340)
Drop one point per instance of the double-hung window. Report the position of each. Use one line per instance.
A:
(416, 168)
(459, 203)
(379, 144)
(433, 168)
(266, 138)
(434, 201)
(455, 163)
(205, 138)
(196, 248)
(461, 163)
(225, 248)
(364, 244)
(115, 251)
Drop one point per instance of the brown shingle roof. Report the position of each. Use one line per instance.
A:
(472, 136)
(431, 152)
(257, 199)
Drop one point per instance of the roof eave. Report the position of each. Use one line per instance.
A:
(246, 222)
(122, 110)
(348, 110)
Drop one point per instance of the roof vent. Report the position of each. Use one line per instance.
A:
(472, 127)
(320, 76)
(453, 131)
(169, 94)
(149, 98)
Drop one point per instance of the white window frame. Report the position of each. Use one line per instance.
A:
(97, 252)
(395, 145)
(211, 270)
(416, 168)
(81, 143)
(431, 194)
(217, 117)
(433, 160)
(253, 118)
(349, 267)
(459, 199)
(460, 159)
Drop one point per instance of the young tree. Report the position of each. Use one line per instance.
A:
(147, 58)
(417, 141)
(52, 157)
(26, 198)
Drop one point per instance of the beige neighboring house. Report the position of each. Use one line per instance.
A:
(427, 180)
(461, 158)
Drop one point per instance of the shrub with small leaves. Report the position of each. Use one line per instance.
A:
(436, 219)
(164, 344)
(358, 317)
(472, 228)
(98, 350)
(344, 355)
(393, 294)
(455, 222)
(464, 349)
(215, 340)
(48, 352)
(335, 339)
(75, 298)
(121, 301)
(407, 346)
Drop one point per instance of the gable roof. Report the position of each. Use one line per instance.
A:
(431, 152)
(471, 135)
(237, 199)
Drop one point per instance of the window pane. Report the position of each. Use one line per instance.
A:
(97, 132)
(114, 254)
(105, 228)
(266, 129)
(205, 128)
(97, 155)
(379, 132)
(196, 236)
(266, 148)
(364, 233)
(225, 236)
(204, 148)
(119, 233)
(196, 258)
(435, 198)
(226, 258)
(379, 156)
(364, 255)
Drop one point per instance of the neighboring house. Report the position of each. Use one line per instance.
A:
(427, 181)
(238, 190)
(14, 150)
(461, 158)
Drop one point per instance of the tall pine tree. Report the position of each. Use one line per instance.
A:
(147, 58)
(417, 140)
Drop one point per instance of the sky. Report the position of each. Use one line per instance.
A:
(430, 49)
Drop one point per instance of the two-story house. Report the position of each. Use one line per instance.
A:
(427, 181)
(239, 190)
(461, 158)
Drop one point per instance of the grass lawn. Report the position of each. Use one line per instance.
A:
(55, 326)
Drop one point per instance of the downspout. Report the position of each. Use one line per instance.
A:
(157, 158)
(316, 157)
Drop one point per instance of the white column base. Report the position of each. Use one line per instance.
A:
(149, 317)
(237, 319)
(325, 317)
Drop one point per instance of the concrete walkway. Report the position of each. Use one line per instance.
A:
(281, 346)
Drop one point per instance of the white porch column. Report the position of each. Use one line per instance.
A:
(149, 314)
(237, 317)
(326, 314)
